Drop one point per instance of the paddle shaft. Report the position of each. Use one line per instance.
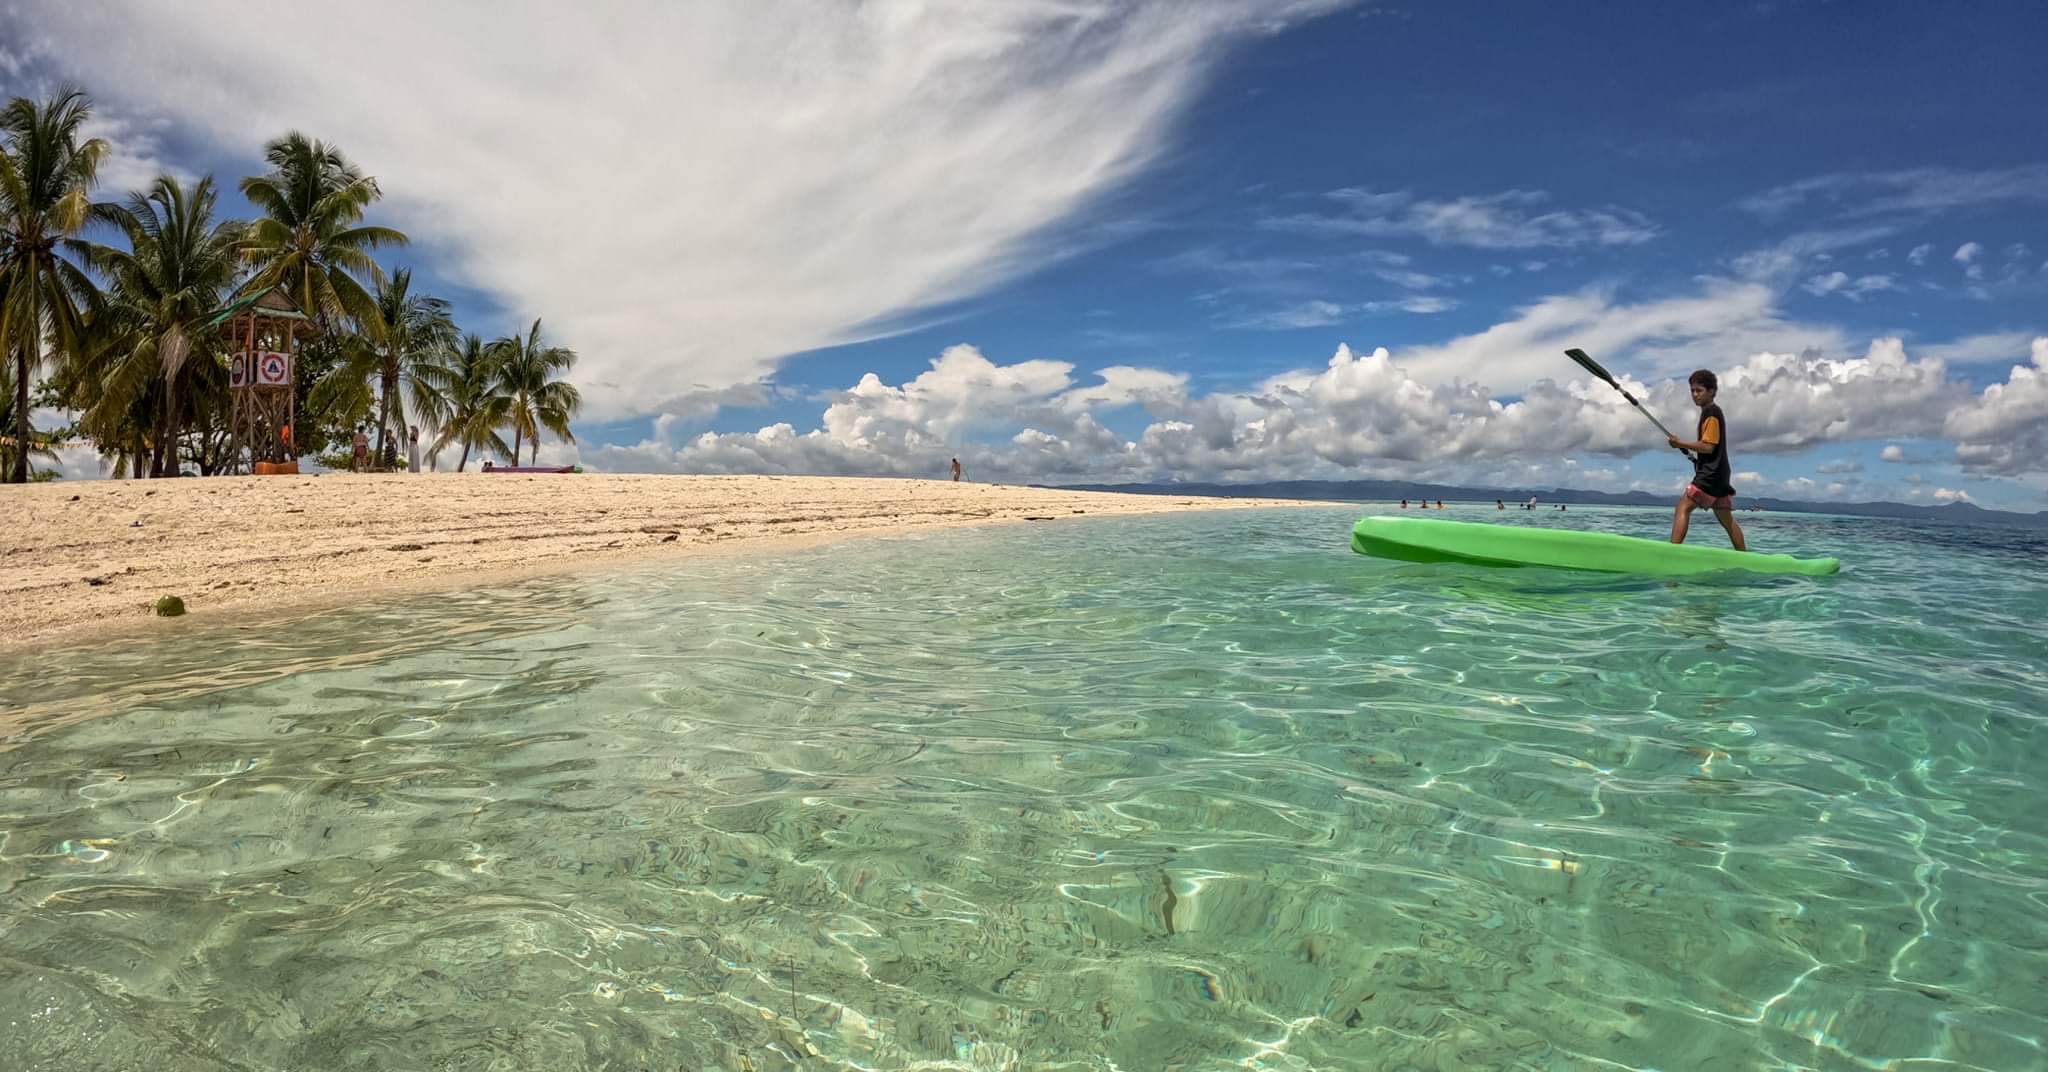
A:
(1593, 367)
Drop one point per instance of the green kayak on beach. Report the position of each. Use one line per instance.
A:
(1416, 539)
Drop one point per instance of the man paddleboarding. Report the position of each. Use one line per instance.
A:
(1710, 486)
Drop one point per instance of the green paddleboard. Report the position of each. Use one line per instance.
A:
(1416, 539)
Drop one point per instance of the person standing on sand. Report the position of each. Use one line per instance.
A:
(956, 470)
(359, 460)
(1710, 486)
(412, 449)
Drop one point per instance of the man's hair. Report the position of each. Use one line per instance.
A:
(1704, 378)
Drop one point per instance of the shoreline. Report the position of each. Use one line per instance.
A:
(85, 562)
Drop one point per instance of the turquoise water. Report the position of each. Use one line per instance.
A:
(1194, 792)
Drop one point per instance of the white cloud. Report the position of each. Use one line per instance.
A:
(1782, 262)
(1356, 415)
(1924, 191)
(1920, 252)
(1853, 289)
(690, 191)
(1951, 495)
(1515, 219)
(1969, 251)
(135, 152)
(2004, 430)
(1990, 346)
(1654, 337)
(1837, 467)
(1892, 453)
(1314, 314)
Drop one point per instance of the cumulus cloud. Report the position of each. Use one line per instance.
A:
(1515, 219)
(1892, 453)
(689, 191)
(1951, 495)
(1356, 415)
(2004, 430)
(1836, 468)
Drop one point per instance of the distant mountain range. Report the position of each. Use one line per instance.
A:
(1396, 490)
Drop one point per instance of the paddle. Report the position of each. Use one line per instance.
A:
(1593, 367)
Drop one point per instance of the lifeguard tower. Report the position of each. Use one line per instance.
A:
(260, 333)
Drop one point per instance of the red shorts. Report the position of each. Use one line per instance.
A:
(1711, 502)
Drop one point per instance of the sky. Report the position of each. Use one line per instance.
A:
(1093, 241)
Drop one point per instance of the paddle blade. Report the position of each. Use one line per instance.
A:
(1590, 365)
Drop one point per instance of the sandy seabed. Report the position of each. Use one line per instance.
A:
(91, 558)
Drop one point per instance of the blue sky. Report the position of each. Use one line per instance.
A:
(1837, 205)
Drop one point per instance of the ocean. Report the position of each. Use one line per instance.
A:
(1200, 791)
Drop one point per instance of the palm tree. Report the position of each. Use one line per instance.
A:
(45, 175)
(474, 407)
(409, 335)
(162, 290)
(535, 398)
(309, 240)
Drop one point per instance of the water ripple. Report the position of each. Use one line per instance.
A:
(1199, 792)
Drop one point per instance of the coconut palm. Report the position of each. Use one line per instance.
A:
(46, 173)
(473, 407)
(162, 290)
(310, 239)
(408, 335)
(535, 397)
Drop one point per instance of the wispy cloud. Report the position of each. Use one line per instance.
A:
(1658, 337)
(1315, 314)
(1853, 289)
(690, 191)
(1927, 191)
(1989, 346)
(1515, 219)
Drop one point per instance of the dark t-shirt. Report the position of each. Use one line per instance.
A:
(1710, 468)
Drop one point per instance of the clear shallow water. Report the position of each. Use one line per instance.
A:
(1195, 792)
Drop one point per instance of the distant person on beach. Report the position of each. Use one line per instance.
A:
(1439, 504)
(1404, 504)
(359, 459)
(412, 449)
(956, 470)
(1710, 486)
(1499, 505)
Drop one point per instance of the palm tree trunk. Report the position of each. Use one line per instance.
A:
(515, 444)
(171, 439)
(21, 367)
(390, 386)
(465, 456)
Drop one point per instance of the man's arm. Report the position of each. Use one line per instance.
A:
(1710, 437)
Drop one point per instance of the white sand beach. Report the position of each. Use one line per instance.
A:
(80, 560)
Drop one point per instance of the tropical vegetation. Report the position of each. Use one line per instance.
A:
(112, 305)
